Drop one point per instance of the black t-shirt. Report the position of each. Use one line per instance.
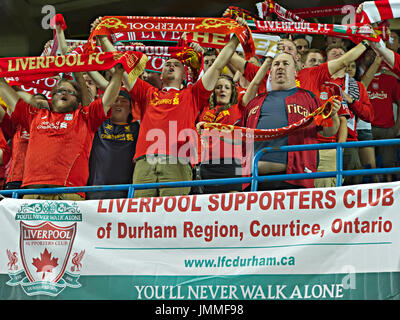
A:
(111, 158)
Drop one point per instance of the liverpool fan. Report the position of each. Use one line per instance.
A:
(360, 108)
(312, 58)
(302, 44)
(218, 158)
(168, 118)
(275, 110)
(384, 92)
(20, 139)
(60, 139)
(113, 149)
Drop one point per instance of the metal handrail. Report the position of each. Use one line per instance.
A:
(339, 173)
(253, 179)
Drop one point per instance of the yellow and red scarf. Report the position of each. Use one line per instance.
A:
(321, 116)
(225, 26)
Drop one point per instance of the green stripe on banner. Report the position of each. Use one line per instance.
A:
(356, 286)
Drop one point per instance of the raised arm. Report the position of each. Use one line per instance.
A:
(384, 52)
(9, 95)
(112, 90)
(62, 45)
(211, 76)
(98, 79)
(370, 73)
(252, 89)
(350, 56)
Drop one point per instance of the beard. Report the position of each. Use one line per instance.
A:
(64, 106)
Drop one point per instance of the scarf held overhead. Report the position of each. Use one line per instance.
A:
(48, 66)
(355, 33)
(225, 26)
(376, 11)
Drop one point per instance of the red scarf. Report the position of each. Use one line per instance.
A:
(324, 11)
(57, 19)
(225, 26)
(33, 68)
(376, 11)
(267, 7)
(235, 12)
(158, 55)
(321, 116)
(355, 33)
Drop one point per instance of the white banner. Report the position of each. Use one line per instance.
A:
(307, 231)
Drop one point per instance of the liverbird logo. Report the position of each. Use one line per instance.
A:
(12, 257)
(45, 249)
(76, 260)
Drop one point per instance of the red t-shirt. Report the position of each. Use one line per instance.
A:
(19, 147)
(383, 91)
(59, 143)
(315, 79)
(168, 118)
(6, 155)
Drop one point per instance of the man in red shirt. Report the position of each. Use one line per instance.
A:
(275, 109)
(167, 139)
(384, 92)
(61, 138)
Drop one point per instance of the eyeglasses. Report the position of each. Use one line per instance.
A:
(63, 91)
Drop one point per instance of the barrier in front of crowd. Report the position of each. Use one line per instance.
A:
(254, 179)
(317, 243)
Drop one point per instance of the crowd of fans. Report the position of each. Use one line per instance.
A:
(102, 130)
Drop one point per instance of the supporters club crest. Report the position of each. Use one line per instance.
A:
(44, 250)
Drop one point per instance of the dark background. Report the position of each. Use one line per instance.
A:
(21, 20)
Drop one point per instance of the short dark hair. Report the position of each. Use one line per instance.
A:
(335, 46)
(209, 52)
(279, 53)
(308, 51)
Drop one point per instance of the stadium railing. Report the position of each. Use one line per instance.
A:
(254, 179)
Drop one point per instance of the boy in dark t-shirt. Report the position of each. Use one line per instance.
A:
(113, 149)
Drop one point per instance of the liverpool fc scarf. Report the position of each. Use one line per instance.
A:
(321, 116)
(267, 7)
(355, 33)
(157, 56)
(32, 68)
(236, 12)
(225, 26)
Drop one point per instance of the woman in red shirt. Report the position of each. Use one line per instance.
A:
(217, 158)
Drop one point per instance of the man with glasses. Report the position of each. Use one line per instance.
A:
(60, 138)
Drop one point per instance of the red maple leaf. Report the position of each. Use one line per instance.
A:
(46, 263)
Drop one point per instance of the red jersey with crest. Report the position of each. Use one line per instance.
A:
(59, 143)
(167, 125)
(383, 91)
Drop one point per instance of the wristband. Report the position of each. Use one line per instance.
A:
(365, 43)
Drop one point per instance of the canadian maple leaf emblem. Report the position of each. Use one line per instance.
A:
(46, 263)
